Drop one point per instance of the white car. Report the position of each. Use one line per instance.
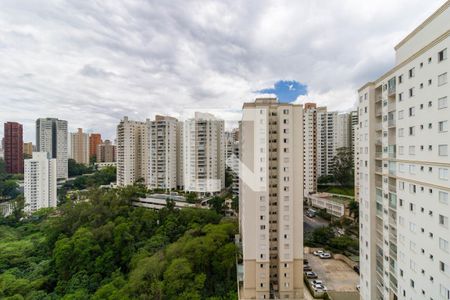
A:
(319, 287)
(358, 287)
(325, 255)
(318, 252)
(316, 281)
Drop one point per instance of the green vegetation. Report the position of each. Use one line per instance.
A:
(106, 249)
(343, 167)
(341, 236)
(76, 169)
(341, 190)
(9, 189)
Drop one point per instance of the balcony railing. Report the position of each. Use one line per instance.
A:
(391, 123)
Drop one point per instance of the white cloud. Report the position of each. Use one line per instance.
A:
(92, 62)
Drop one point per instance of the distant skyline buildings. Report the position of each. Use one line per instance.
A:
(95, 139)
(52, 137)
(13, 147)
(79, 146)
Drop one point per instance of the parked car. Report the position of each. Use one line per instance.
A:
(307, 268)
(319, 287)
(305, 262)
(356, 269)
(325, 255)
(317, 281)
(311, 275)
(318, 252)
(358, 287)
(311, 213)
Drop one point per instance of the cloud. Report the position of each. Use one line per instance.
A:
(92, 62)
(286, 90)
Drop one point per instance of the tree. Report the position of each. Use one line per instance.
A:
(343, 167)
(76, 169)
(218, 204)
(353, 207)
(191, 197)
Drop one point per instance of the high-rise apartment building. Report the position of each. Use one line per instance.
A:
(180, 156)
(28, 149)
(232, 158)
(51, 137)
(271, 200)
(40, 182)
(204, 156)
(95, 139)
(106, 152)
(13, 147)
(132, 151)
(310, 147)
(403, 142)
(163, 153)
(79, 147)
(343, 131)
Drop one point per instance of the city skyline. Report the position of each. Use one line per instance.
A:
(134, 66)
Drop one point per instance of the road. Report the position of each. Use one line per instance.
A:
(309, 224)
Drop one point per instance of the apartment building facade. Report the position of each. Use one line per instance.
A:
(403, 173)
(271, 200)
(163, 153)
(95, 139)
(51, 137)
(106, 152)
(28, 149)
(13, 147)
(204, 154)
(40, 178)
(310, 148)
(79, 147)
(132, 151)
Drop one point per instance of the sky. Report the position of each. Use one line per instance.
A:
(93, 62)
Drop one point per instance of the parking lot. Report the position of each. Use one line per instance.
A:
(336, 274)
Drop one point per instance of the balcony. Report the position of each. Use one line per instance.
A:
(391, 123)
(378, 112)
(378, 154)
(391, 86)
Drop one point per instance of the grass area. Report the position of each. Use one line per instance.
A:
(347, 191)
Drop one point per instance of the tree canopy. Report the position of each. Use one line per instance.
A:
(104, 248)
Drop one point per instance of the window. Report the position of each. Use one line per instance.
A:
(443, 150)
(400, 79)
(443, 220)
(445, 292)
(412, 111)
(412, 130)
(442, 55)
(444, 267)
(442, 103)
(400, 114)
(400, 132)
(442, 79)
(401, 150)
(412, 150)
(400, 97)
(443, 173)
(443, 197)
(443, 126)
(411, 92)
(443, 244)
(411, 72)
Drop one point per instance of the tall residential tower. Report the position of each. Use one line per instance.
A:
(13, 147)
(271, 200)
(404, 170)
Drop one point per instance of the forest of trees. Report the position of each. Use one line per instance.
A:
(104, 248)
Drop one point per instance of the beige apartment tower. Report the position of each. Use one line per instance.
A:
(106, 152)
(132, 152)
(271, 200)
(79, 147)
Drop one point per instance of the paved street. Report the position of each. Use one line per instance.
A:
(309, 224)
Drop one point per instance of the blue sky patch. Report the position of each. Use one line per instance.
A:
(286, 90)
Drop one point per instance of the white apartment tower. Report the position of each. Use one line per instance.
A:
(51, 137)
(163, 153)
(204, 154)
(310, 145)
(404, 165)
(132, 152)
(40, 182)
(271, 200)
(79, 146)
